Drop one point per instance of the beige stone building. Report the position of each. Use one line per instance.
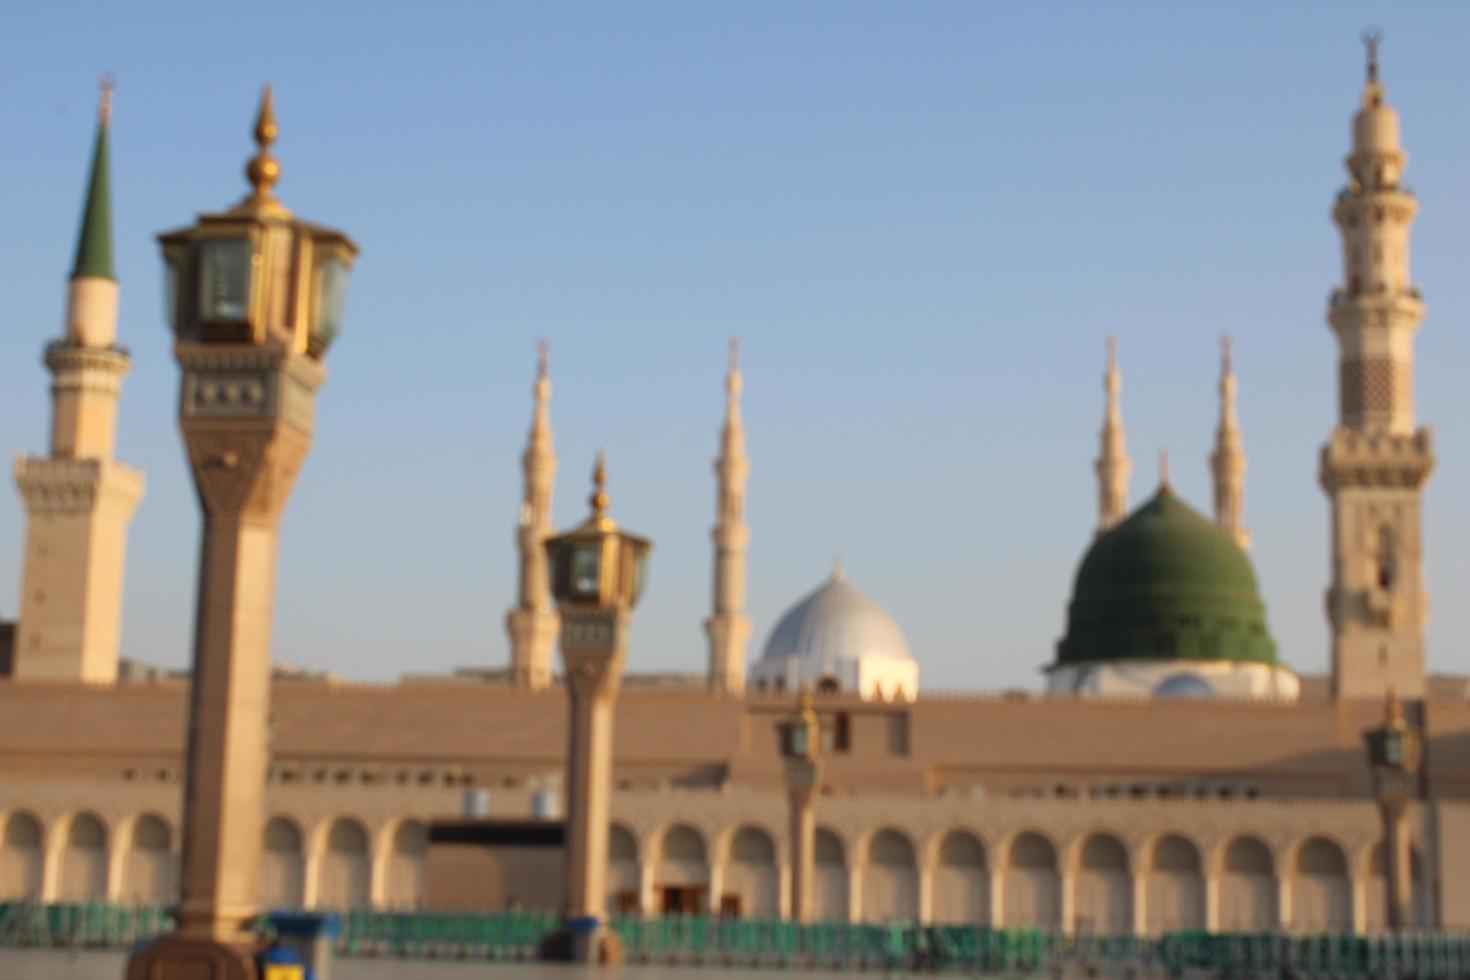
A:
(1174, 775)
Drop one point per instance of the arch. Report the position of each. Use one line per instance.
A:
(681, 875)
(83, 864)
(1248, 887)
(1174, 886)
(22, 857)
(282, 865)
(407, 866)
(961, 887)
(830, 889)
(623, 878)
(345, 880)
(1376, 905)
(1032, 885)
(1104, 887)
(752, 883)
(150, 865)
(1321, 893)
(890, 883)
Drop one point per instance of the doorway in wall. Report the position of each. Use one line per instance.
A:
(682, 900)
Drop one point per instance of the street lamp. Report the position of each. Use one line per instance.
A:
(801, 749)
(597, 576)
(1393, 756)
(254, 299)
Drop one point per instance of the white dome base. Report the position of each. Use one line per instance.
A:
(872, 678)
(1176, 678)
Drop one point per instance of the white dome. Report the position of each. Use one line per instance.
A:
(837, 634)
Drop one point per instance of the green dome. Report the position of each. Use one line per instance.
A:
(1165, 584)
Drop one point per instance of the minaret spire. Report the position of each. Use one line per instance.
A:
(79, 499)
(1376, 460)
(533, 624)
(94, 241)
(728, 627)
(1227, 462)
(1112, 464)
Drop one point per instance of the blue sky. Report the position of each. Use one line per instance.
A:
(920, 219)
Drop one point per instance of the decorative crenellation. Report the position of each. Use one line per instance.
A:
(236, 386)
(57, 486)
(593, 630)
(74, 367)
(1377, 459)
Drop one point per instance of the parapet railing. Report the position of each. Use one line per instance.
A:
(778, 944)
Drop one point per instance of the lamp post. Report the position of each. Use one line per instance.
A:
(801, 737)
(1393, 755)
(254, 299)
(597, 575)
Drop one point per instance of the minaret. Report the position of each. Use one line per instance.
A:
(1112, 464)
(1227, 462)
(533, 624)
(728, 627)
(79, 500)
(1376, 463)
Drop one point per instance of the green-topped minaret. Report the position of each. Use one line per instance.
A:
(78, 498)
(94, 244)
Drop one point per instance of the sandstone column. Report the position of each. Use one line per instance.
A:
(258, 302)
(597, 576)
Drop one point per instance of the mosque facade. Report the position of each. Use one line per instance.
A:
(1174, 774)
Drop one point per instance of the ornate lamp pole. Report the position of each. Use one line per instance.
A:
(1393, 754)
(255, 299)
(801, 748)
(597, 576)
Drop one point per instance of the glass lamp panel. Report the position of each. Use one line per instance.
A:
(331, 298)
(171, 291)
(1393, 749)
(225, 266)
(640, 574)
(798, 740)
(586, 570)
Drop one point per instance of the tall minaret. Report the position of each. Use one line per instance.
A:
(533, 624)
(79, 500)
(1227, 462)
(1375, 463)
(1112, 464)
(728, 627)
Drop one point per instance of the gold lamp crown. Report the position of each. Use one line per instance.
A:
(253, 274)
(596, 563)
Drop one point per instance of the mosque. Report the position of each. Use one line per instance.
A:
(1173, 775)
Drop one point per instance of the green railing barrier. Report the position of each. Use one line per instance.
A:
(776, 944)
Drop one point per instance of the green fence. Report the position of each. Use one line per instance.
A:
(778, 944)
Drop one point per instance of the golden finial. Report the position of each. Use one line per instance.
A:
(599, 499)
(804, 699)
(105, 85)
(1226, 348)
(734, 354)
(1163, 469)
(263, 171)
(1112, 343)
(1372, 38)
(543, 352)
(838, 575)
